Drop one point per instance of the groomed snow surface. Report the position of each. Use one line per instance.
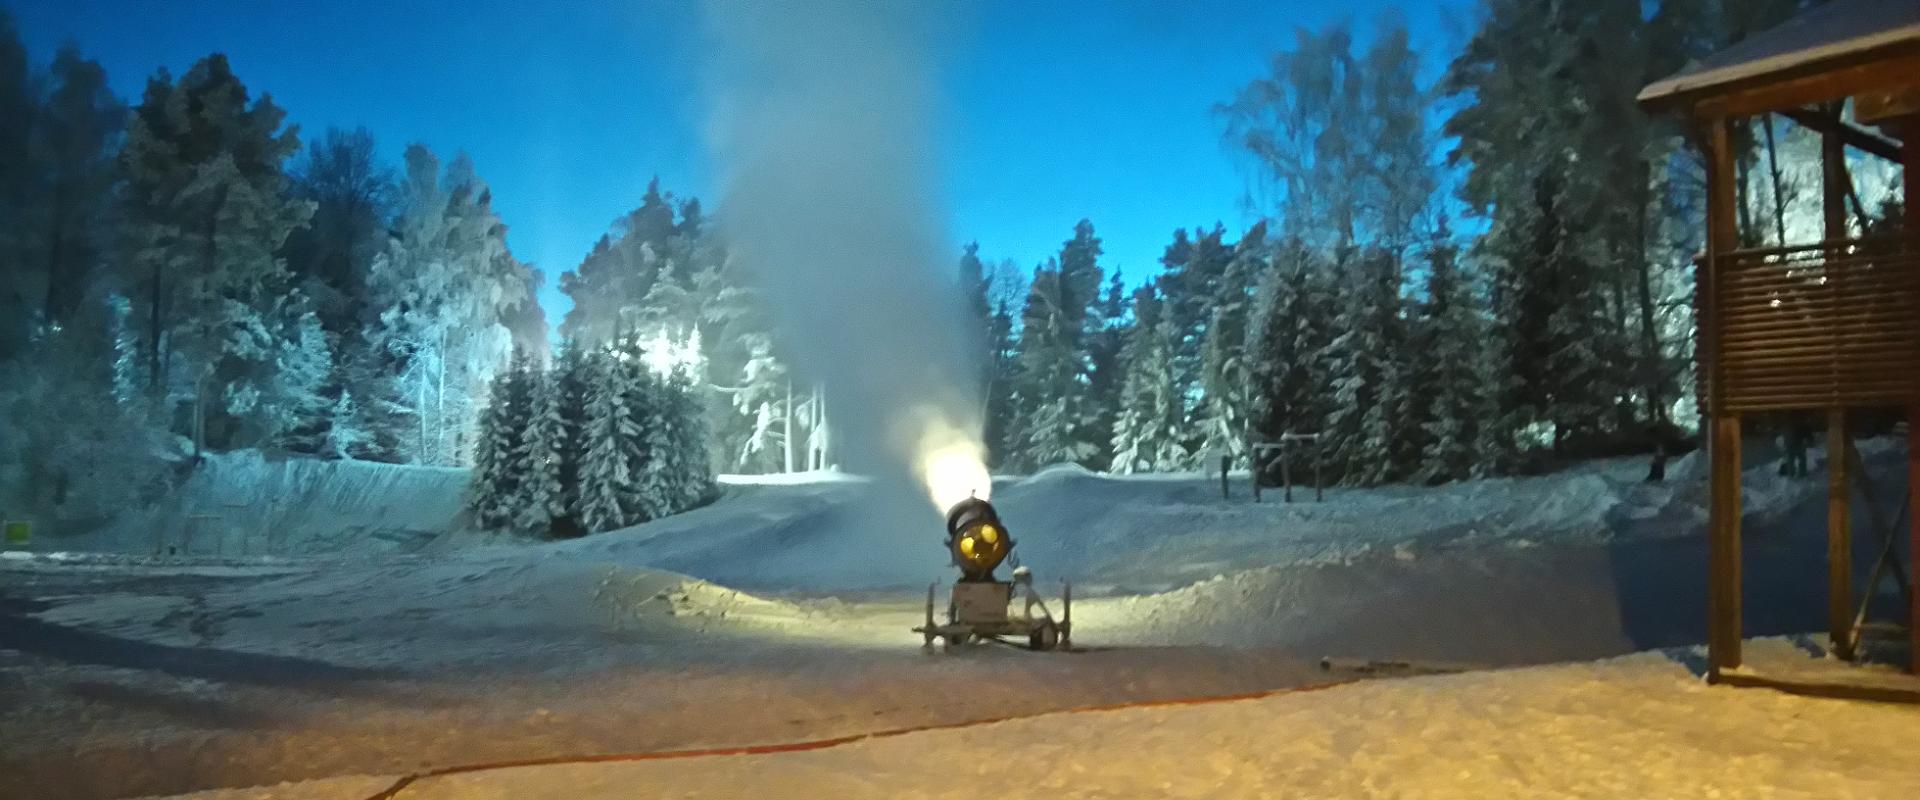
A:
(1639, 726)
(342, 623)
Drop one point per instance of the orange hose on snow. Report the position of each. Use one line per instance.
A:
(821, 744)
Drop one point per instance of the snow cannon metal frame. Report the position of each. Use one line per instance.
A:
(980, 607)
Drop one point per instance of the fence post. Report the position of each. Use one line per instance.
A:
(1286, 467)
(1225, 461)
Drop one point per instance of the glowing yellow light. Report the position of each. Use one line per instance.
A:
(988, 533)
(953, 466)
(966, 546)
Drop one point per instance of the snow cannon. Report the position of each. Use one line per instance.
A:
(977, 539)
(980, 606)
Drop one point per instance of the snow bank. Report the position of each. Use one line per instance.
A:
(246, 504)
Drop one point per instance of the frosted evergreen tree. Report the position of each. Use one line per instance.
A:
(1149, 429)
(1106, 372)
(1451, 382)
(1292, 327)
(1056, 422)
(678, 448)
(611, 447)
(499, 467)
(1365, 366)
(1222, 414)
(1053, 420)
(1004, 353)
(546, 449)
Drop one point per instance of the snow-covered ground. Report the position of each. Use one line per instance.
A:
(1629, 727)
(359, 630)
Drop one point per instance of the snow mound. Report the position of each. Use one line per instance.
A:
(246, 504)
(1058, 472)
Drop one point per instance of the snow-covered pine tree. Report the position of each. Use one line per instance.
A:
(498, 459)
(1003, 379)
(1149, 431)
(1056, 422)
(611, 446)
(1292, 327)
(684, 447)
(1106, 373)
(544, 450)
(1364, 371)
(1224, 375)
(1450, 380)
(1052, 419)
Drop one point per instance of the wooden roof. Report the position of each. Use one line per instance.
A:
(1828, 52)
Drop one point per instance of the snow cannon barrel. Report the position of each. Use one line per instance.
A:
(977, 539)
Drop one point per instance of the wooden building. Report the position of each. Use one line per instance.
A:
(1827, 327)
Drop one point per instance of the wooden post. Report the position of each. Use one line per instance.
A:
(1724, 626)
(1723, 526)
(1225, 461)
(1833, 205)
(1286, 467)
(1319, 486)
(1913, 510)
(1839, 539)
(1910, 164)
(1833, 181)
(1258, 459)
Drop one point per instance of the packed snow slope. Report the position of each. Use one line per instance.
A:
(375, 635)
(1635, 726)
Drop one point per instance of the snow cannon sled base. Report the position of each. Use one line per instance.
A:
(980, 607)
(983, 611)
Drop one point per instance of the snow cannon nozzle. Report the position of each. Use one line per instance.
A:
(977, 539)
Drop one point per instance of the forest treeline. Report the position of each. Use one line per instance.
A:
(1479, 274)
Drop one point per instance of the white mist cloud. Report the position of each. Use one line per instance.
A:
(821, 127)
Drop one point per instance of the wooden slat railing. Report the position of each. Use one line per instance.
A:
(1834, 324)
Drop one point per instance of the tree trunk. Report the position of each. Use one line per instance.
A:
(440, 401)
(787, 445)
(1650, 372)
(52, 311)
(1779, 197)
(153, 330)
(420, 413)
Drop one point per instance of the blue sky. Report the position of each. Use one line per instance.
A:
(1052, 111)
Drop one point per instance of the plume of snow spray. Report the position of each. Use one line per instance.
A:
(822, 128)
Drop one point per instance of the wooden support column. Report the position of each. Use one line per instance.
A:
(1833, 205)
(1723, 522)
(1839, 539)
(1910, 166)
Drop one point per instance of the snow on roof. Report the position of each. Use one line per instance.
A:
(1841, 30)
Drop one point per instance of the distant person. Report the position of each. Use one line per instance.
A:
(1793, 463)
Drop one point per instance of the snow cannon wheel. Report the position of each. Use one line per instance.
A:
(1045, 636)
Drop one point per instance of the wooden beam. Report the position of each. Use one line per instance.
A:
(1839, 539)
(1852, 135)
(1723, 523)
(1888, 71)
